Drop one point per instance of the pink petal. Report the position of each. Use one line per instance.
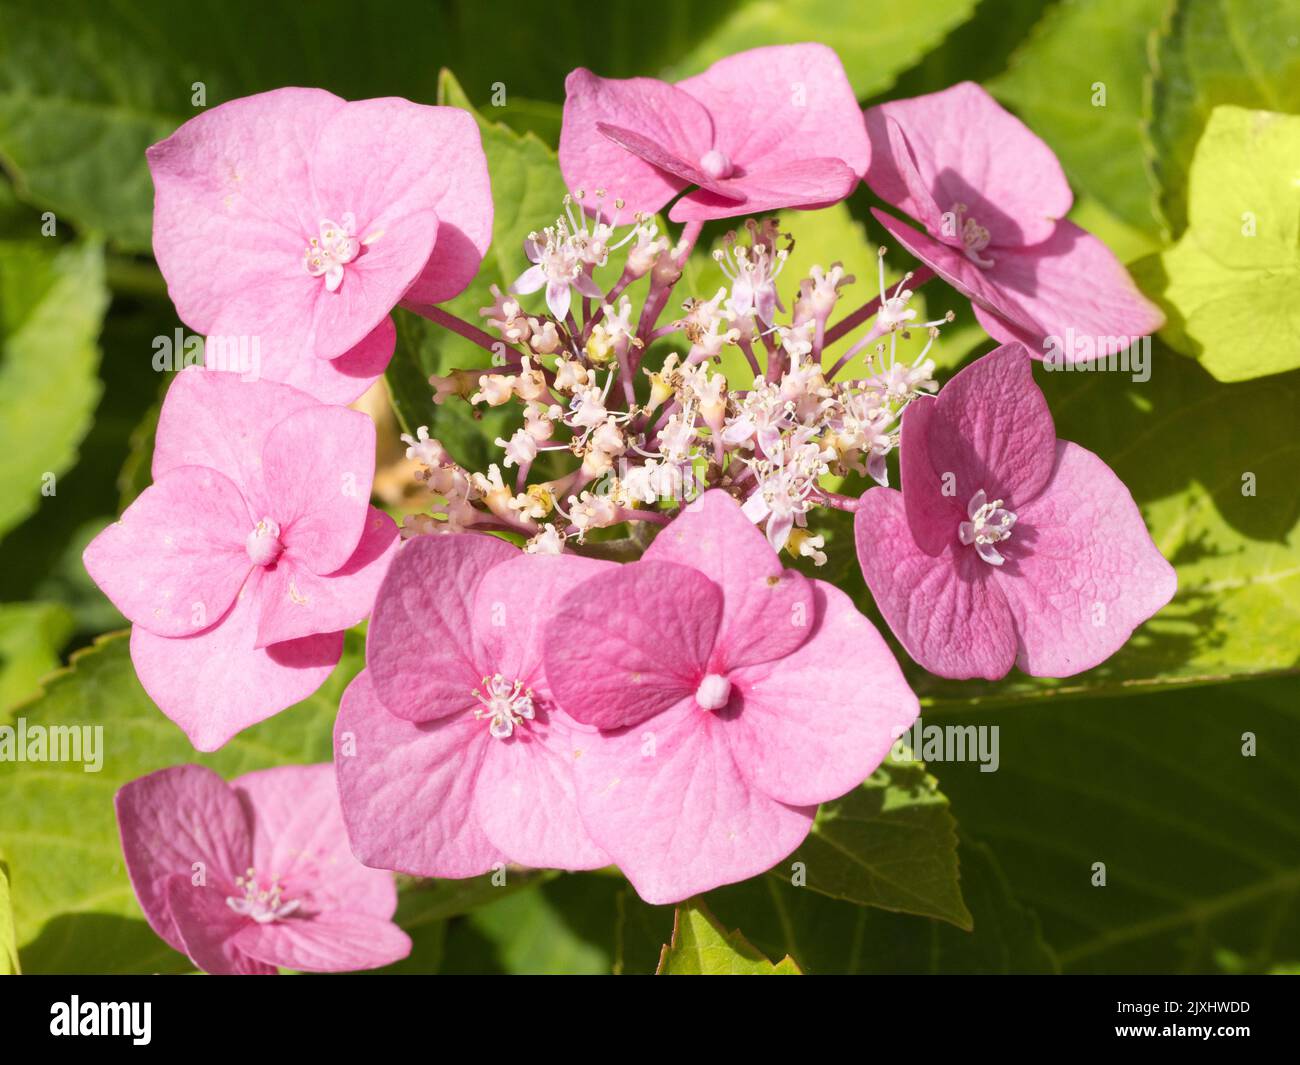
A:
(299, 838)
(524, 797)
(219, 421)
(815, 724)
(233, 208)
(669, 804)
(407, 788)
(423, 647)
(218, 683)
(992, 429)
(765, 607)
(806, 183)
(653, 153)
(968, 150)
(318, 465)
(932, 515)
(632, 641)
(207, 928)
(296, 602)
(947, 611)
(782, 103)
(325, 943)
(1081, 571)
(1070, 287)
(176, 559)
(659, 113)
(340, 380)
(172, 819)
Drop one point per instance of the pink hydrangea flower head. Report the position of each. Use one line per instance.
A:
(1005, 545)
(992, 199)
(451, 753)
(733, 697)
(252, 551)
(296, 221)
(256, 874)
(758, 131)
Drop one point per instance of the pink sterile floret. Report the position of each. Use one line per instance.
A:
(295, 221)
(255, 547)
(993, 199)
(733, 697)
(451, 753)
(765, 129)
(1005, 545)
(255, 874)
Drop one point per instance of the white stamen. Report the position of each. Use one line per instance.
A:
(505, 705)
(989, 524)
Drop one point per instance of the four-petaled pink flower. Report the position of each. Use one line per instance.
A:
(993, 199)
(247, 876)
(255, 547)
(1005, 545)
(296, 221)
(451, 753)
(733, 697)
(758, 131)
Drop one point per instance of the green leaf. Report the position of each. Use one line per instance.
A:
(1200, 839)
(875, 47)
(8, 948)
(1239, 52)
(1055, 86)
(52, 302)
(1230, 287)
(1223, 505)
(828, 936)
(528, 191)
(31, 637)
(890, 843)
(73, 906)
(700, 946)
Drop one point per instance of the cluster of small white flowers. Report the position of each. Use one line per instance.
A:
(646, 439)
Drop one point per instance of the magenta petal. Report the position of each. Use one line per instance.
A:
(669, 804)
(299, 837)
(207, 928)
(407, 789)
(344, 379)
(525, 802)
(1072, 288)
(296, 602)
(784, 102)
(176, 559)
(169, 821)
(818, 722)
(992, 430)
(658, 157)
(765, 607)
(804, 183)
(631, 642)
(659, 113)
(1081, 571)
(318, 465)
(932, 515)
(325, 943)
(219, 421)
(947, 611)
(218, 683)
(425, 654)
(969, 150)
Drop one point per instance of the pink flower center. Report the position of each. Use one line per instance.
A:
(264, 904)
(989, 524)
(713, 692)
(506, 704)
(263, 543)
(974, 237)
(328, 253)
(716, 164)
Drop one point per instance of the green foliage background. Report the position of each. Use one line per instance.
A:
(1137, 764)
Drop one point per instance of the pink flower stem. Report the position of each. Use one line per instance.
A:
(447, 320)
(873, 334)
(839, 502)
(748, 349)
(919, 277)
